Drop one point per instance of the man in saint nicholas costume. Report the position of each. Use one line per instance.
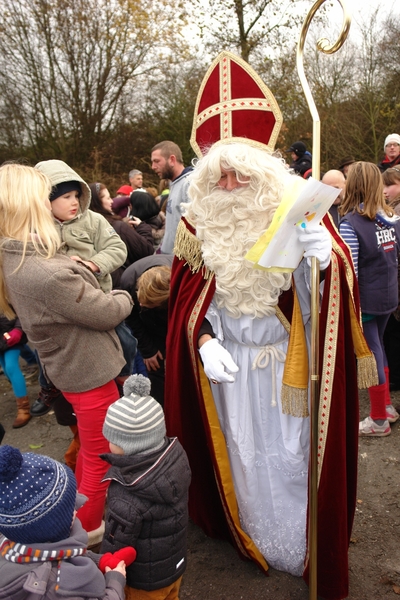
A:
(237, 348)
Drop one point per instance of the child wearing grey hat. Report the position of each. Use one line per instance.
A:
(43, 547)
(148, 494)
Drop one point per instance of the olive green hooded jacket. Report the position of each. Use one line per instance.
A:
(88, 235)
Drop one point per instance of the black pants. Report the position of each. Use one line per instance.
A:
(391, 340)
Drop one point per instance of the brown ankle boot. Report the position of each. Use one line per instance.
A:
(72, 451)
(23, 415)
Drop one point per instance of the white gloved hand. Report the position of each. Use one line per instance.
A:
(215, 360)
(317, 242)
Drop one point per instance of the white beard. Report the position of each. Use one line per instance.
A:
(229, 224)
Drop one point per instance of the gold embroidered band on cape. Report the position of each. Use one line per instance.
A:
(193, 318)
(327, 368)
(295, 375)
(224, 475)
(188, 248)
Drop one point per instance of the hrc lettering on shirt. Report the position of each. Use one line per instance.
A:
(386, 238)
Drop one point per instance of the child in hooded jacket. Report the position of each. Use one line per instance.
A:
(43, 547)
(90, 240)
(66, 316)
(148, 494)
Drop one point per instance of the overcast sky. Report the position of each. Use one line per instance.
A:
(385, 6)
(360, 10)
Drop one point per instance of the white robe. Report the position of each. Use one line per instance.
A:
(268, 450)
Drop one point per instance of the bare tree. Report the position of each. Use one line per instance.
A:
(253, 28)
(356, 90)
(67, 67)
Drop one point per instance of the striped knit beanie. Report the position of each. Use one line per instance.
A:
(37, 497)
(135, 422)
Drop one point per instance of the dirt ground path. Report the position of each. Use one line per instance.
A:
(214, 570)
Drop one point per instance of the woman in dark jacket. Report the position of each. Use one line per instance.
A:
(146, 208)
(12, 339)
(136, 235)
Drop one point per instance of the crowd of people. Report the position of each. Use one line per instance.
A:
(218, 426)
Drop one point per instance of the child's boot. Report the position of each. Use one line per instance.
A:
(23, 414)
(72, 451)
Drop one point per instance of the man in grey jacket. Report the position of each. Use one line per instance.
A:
(167, 162)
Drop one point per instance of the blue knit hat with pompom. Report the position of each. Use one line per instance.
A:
(37, 497)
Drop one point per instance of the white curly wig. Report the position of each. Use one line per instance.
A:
(229, 224)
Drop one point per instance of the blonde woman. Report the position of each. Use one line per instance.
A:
(66, 316)
(372, 231)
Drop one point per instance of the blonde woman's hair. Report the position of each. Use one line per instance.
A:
(153, 286)
(24, 216)
(364, 186)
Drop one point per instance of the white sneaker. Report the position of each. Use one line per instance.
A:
(369, 428)
(391, 413)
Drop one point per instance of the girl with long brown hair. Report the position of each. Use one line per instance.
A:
(372, 231)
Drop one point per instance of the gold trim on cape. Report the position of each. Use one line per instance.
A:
(224, 477)
(294, 394)
(329, 360)
(193, 317)
(188, 248)
(284, 322)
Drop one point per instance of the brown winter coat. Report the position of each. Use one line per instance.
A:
(67, 317)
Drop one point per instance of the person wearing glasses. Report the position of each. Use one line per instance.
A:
(392, 152)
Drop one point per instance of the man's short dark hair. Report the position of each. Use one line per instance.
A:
(167, 148)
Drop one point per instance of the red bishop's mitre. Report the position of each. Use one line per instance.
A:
(234, 105)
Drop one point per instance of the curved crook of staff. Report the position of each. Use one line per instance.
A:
(324, 46)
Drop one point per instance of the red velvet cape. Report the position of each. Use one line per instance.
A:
(186, 417)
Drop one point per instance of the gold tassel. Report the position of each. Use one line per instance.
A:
(188, 248)
(295, 373)
(367, 373)
(294, 401)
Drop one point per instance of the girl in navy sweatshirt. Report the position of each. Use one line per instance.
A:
(372, 231)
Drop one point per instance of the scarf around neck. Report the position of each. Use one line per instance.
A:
(76, 572)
